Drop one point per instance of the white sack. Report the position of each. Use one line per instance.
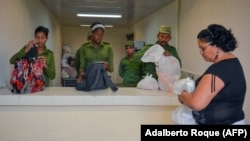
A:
(148, 83)
(167, 67)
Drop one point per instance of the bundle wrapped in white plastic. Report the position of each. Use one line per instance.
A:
(148, 83)
(186, 84)
(183, 114)
(167, 67)
(68, 69)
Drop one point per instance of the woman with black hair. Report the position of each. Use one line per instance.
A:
(37, 48)
(95, 51)
(220, 91)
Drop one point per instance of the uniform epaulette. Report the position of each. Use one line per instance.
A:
(85, 43)
(106, 43)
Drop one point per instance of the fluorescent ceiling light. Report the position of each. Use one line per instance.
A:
(100, 15)
(104, 25)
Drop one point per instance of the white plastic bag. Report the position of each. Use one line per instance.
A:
(148, 83)
(186, 84)
(167, 67)
(68, 69)
(183, 115)
(168, 71)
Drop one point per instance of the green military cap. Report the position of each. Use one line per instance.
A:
(165, 29)
(129, 43)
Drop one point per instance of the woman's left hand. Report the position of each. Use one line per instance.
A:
(106, 66)
(44, 61)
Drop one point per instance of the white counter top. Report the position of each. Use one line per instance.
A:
(63, 113)
(70, 96)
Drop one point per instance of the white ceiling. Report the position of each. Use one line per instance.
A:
(132, 10)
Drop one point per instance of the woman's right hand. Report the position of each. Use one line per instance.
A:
(30, 45)
(79, 79)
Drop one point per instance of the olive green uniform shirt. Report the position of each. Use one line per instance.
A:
(50, 72)
(88, 54)
(77, 57)
(150, 67)
(129, 70)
